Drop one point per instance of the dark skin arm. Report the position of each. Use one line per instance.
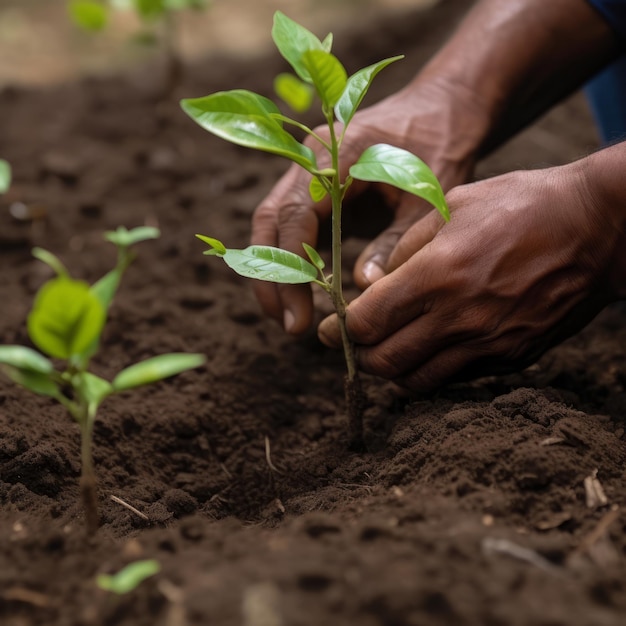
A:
(507, 63)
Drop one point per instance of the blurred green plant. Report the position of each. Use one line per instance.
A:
(5, 176)
(94, 16)
(129, 577)
(66, 323)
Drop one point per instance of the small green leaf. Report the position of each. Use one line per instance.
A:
(155, 369)
(129, 577)
(383, 163)
(245, 118)
(317, 191)
(293, 40)
(92, 388)
(328, 75)
(126, 238)
(38, 383)
(5, 176)
(294, 92)
(313, 254)
(217, 247)
(356, 88)
(271, 264)
(327, 44)
(51, 260)
(89, 15)
(66, 318)
(105, 288)
(150, 9)
(26, 359)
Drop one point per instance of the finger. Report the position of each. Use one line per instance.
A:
(373, 263)
(328, 331)
(286, 218)
(415, 238)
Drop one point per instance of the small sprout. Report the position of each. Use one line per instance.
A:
(248, 119)
(129, 577)
(5, 176)
(66, 323)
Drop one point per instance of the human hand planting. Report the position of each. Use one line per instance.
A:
(528, 259)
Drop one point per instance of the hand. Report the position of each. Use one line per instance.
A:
(524, 263)
(418, 118)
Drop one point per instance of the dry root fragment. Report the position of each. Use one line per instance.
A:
(594, 493)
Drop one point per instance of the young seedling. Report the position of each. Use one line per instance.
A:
(65, 323)
(129, 577)
(5, 176)
(93, 16)
(248, 119)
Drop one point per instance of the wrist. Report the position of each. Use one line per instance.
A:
(600, 177)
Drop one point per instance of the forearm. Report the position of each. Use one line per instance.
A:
(513, 59)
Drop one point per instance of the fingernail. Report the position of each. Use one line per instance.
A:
(373, 272)
(289, 319)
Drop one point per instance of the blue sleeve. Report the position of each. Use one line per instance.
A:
(614, 11)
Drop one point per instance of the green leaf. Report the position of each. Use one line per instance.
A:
(51, 260)
(89, 15)
(271, 264)
(126, 238)
(313, 254)
(92, 388)
(327, 44)
(217, 247)
(294, 92)
(383, 163)
(356, 88)
(328, 75)
(245, 118)
(129, 577)
(155, 369)
(106, 287)
(150, 9)
(66, 318)
(38, 383)
(26, 359)
(293, 40)
(5, 176)
(317, 191)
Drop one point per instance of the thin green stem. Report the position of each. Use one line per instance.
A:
(88, 486)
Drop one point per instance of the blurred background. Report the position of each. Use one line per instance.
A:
(40, 45)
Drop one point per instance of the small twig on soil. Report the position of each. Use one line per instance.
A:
(268, 456)
(21, 594)
(602, 527)
(594, 493)
(176, 613)
(131, 508)
(490, 545)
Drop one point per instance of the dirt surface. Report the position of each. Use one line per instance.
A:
(470, 505)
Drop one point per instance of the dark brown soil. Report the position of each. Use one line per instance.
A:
(469, 507)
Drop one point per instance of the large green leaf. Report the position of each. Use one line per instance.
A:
(5, 176)
(264, 263)
(66, 318)
(356, 88)
(293, 40)
(383, 163)
(90, 15)
(246, 119)
(155, 369)
(328, 75)
(26, 359)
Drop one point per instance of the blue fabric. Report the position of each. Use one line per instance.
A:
(615, 13)
(606, 92)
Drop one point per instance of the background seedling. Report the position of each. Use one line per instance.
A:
(66, 323)
(249, 119)
(5, 176)
(129, 577)
(94, 16)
